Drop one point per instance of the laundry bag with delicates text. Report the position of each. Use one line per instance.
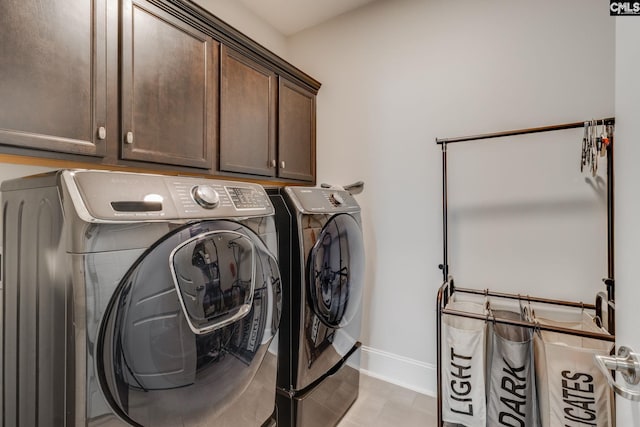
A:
(572, 391)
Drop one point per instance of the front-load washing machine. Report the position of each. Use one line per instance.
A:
(322, 266)
(138, 300)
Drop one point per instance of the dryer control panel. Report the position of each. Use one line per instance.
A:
(123, 196)
(322, 200)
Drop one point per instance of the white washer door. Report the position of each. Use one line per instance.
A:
(189, 325)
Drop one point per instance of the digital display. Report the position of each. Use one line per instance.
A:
(247, 198)
(136, 206)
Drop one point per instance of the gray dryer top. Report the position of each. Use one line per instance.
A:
(322, 200)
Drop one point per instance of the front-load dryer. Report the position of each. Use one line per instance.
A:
(322, 266)
(138, 300)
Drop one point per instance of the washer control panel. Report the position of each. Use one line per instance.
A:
(206, 196)
(336, 199)
(248, 197)
(120, 196)
(197, 198)
(322, 200)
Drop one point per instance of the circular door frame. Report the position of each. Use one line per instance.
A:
(108, 321)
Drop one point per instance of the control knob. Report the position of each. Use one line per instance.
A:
(205, 196)
(336, 199)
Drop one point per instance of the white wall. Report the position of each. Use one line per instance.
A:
(399, 73)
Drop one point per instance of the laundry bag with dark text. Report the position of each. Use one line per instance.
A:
(463, 365)
(572, 391)
(511, 392)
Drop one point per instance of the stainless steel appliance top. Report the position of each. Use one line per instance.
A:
(107, 196)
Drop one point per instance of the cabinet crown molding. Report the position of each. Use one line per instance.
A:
(230, 36)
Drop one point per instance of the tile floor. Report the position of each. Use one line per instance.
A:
(381, 404)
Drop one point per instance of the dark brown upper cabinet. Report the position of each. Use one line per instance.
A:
(267, 123)
(53, 75)
(248, 111)
(152, 84)
(296, 132)
(169, 88)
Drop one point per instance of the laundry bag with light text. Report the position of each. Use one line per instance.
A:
(463, 367)
(511, 393)
(572, 391)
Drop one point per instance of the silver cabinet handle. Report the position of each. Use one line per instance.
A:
(102, 132)
(282, 164)
(272, 163)
(627, 364)
(129, 138)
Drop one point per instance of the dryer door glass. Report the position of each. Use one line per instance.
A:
(189, 326)
(335, 273)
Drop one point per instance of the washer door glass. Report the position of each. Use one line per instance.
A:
(214, 276)
(189, 325)
(335, 273)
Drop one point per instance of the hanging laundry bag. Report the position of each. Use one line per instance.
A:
(572, 391)
(511, 389)
(463, 365)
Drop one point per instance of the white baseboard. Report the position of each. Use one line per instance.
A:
(403, 371)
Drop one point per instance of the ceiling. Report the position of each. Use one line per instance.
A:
(292, 16)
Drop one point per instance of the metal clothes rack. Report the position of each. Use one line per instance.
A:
(448, 287)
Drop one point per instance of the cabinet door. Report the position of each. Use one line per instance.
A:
(297, 132)
(248, 96)
(168, 88)
(53, 75)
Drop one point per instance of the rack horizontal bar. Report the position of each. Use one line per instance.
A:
(608, 121)
(540, 326)
(526, 298)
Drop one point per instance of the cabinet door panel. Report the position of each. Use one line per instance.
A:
(168, 89)
(248, 96)
(53, 75)
(297, 132)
